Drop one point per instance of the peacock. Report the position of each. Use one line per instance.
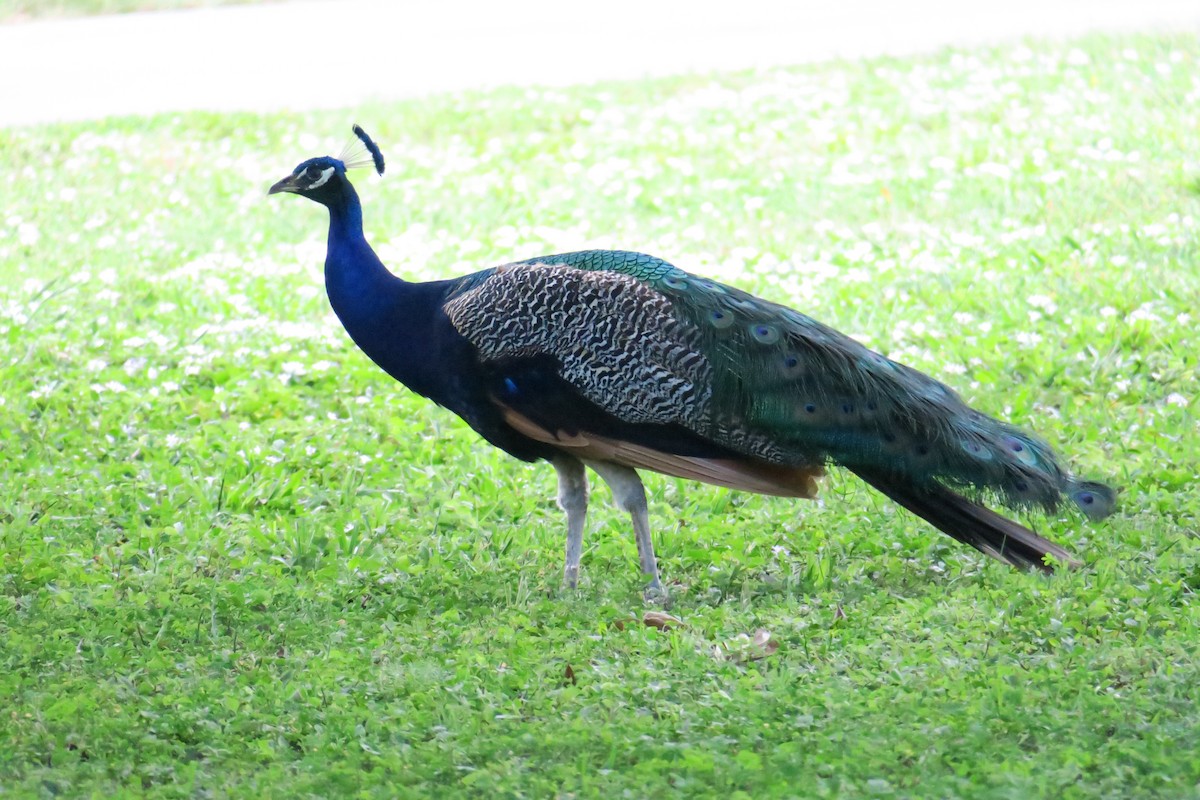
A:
(618, 361)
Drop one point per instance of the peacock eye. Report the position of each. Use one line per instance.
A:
(314, 176)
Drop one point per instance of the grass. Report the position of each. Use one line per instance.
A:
(25, 10)
(236, 560)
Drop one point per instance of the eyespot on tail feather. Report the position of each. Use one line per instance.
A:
(1094, 499)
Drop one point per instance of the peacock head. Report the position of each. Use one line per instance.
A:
(321, 178)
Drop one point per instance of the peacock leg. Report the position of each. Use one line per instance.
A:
(630, 496)
(573, 499)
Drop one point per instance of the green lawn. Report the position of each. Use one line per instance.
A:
(237, 560)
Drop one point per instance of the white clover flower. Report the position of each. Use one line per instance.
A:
(1029, 339)
(28, 234)
(1043, 302)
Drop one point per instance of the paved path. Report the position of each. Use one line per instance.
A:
(333, 53)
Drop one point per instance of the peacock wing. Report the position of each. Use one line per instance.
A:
(613, 338)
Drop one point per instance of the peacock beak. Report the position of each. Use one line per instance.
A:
(288, 184)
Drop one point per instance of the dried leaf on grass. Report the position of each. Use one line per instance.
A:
(661, 620)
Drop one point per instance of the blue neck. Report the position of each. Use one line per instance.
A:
(360, 287)
(388, 318)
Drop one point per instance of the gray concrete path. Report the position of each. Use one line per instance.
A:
(333, 53)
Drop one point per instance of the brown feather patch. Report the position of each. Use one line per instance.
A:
(744, 475)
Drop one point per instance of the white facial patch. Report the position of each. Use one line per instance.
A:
(321, 181)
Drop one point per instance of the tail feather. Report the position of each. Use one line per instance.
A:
(969, 522)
